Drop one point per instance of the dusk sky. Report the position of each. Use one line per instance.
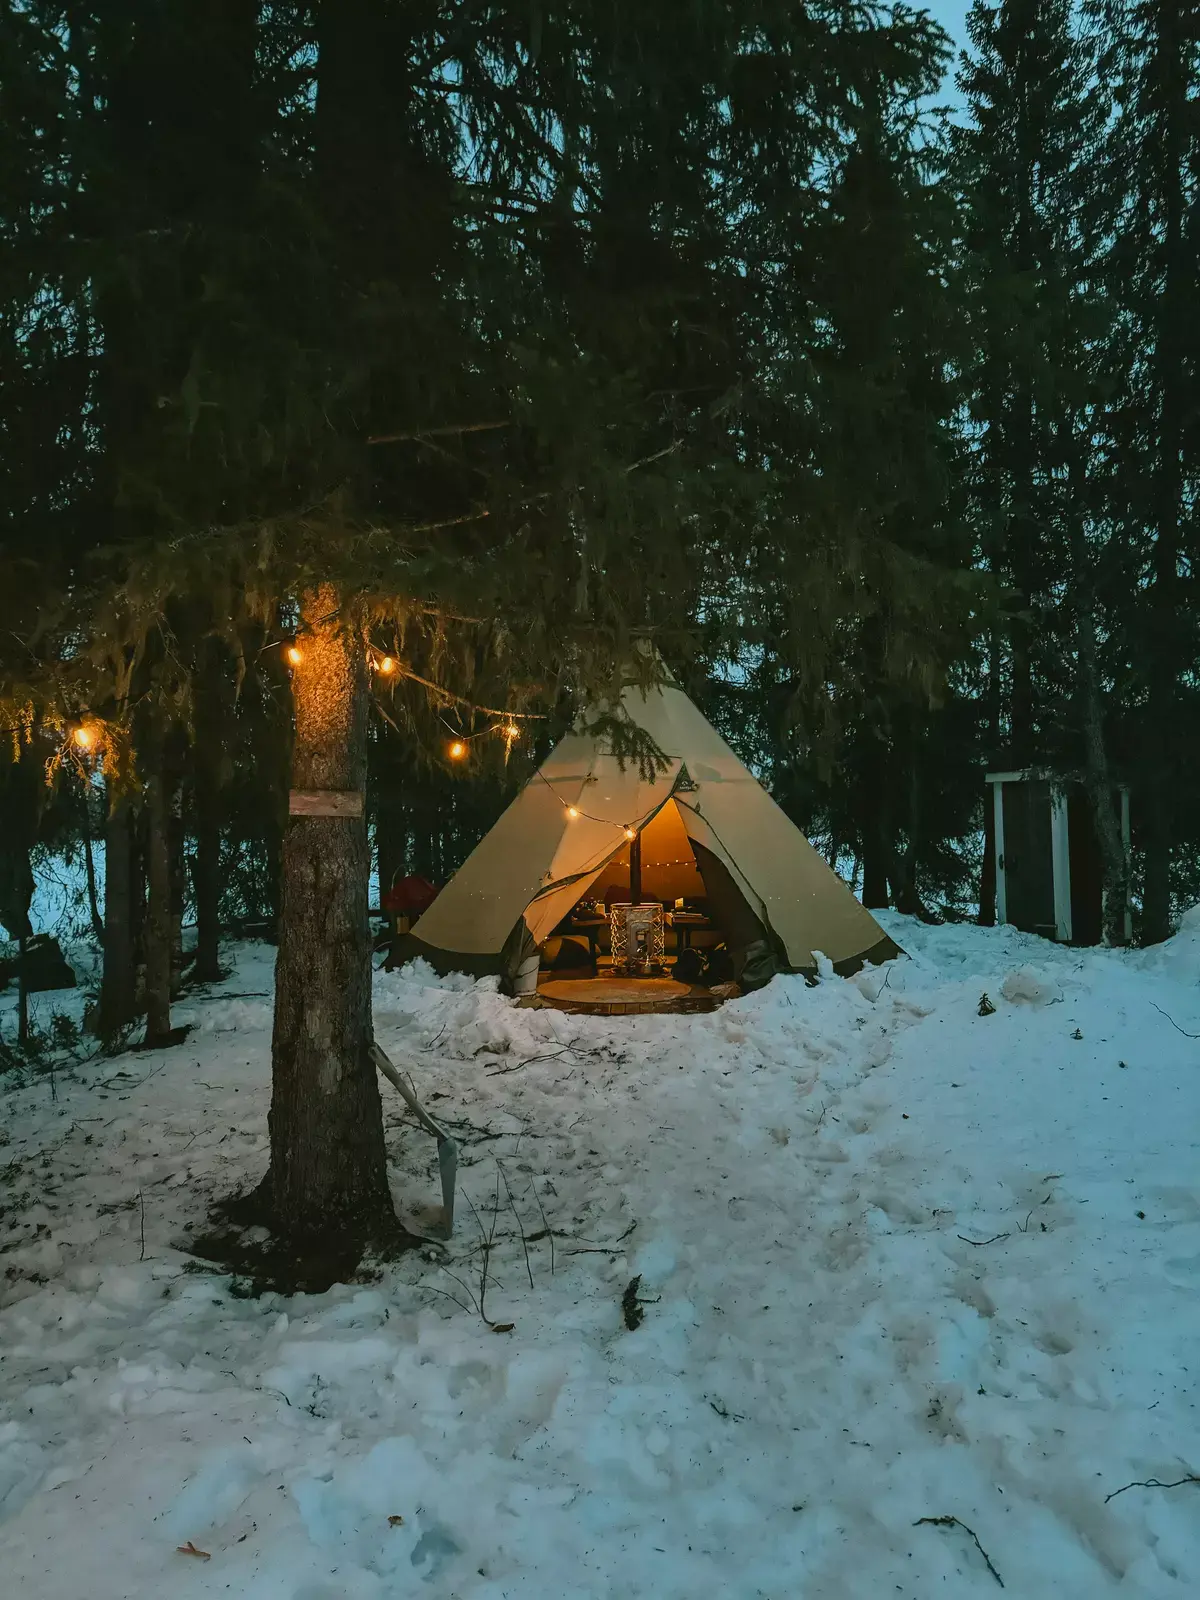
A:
(952, 16)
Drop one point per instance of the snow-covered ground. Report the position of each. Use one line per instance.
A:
(898, 1261)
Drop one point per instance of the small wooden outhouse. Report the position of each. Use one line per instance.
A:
(1048, 865)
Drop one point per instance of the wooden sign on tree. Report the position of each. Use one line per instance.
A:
(325, 803)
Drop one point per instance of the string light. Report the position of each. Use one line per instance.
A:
(294, 655)
(629, 829)
(509, 731)
(83, 737)
(386, 666)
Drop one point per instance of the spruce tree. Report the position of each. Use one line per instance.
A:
(1034, 163)
(861, 595)
(1155, 282)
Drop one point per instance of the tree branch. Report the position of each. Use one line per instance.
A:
(953, 1522)
(438, 433)
(1152, 1483)
(1174, 1024)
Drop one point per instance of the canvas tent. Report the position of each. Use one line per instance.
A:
(708, 831)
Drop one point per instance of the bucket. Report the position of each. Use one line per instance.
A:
(526, 976)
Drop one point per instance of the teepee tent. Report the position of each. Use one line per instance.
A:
(708, 832)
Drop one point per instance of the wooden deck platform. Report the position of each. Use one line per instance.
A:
(610, 996)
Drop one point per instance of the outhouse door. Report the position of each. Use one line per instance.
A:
(1027, 857)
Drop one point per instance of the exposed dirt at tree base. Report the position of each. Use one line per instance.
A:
(243, 1243)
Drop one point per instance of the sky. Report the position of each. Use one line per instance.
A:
(952, 16)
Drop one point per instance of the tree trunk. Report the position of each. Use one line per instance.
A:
(875, 813)
(89, 862)
(22, 991)
(328, 1174)
(1167, 645)
(118, 985)
(1114, 865)
(987, 871)
(1156, 814)
(1097, 775)
(903, 870)
(16, 897)
(176, 863)
(157, 930)
(1024, 452)
(212, 706)
(874, 859)
(987, 874)
(138, 869)
(206, 884)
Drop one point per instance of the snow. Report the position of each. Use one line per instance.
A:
(897, 1260)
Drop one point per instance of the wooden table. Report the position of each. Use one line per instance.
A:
(685, 923)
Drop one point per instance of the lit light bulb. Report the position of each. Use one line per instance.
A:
(631, 833)
(572, 812)
(512, 732)
(387, 666)
(294, 655)
(457, 750)
(83, 738)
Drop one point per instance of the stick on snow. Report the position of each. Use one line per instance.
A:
(446, 1147)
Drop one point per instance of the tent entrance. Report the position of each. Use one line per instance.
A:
(705, 908)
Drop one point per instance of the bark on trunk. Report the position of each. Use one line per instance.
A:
(1097, 774)
(214, 705)
(118, 985)
(1114, 866)
(875, 825)
(206, 886)
(328, 1174)
(903, 871)
(138, 870)
(176, 865)
(987, 875)
(987, 872)
(22, 990)
(158, 924)
(874, 856)
(89, 862)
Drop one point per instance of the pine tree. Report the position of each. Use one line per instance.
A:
(1034, 162)
(1155, 280)
(863, 577)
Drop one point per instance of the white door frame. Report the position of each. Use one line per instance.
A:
(1060, 847)
(997, 782)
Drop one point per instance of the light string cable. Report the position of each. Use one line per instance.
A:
(630, 829)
